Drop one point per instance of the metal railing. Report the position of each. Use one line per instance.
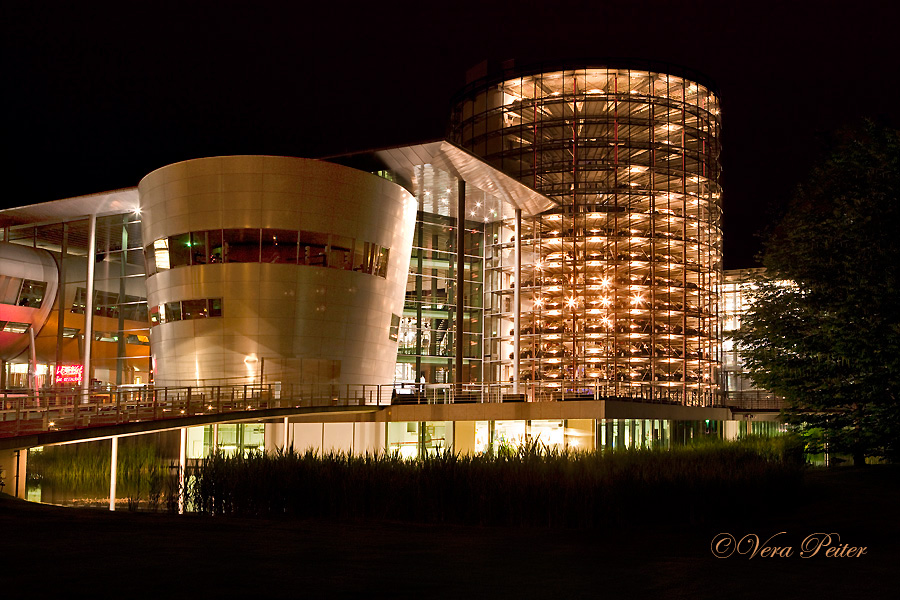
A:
(551, 391)
(23, 413)
(754, 400)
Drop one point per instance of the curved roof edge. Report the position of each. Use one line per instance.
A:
(509, 70)
(460, 163)
(67, 209)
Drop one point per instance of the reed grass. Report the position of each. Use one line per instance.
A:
(532, 485)
(83, 469)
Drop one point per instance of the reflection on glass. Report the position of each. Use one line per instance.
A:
(241, 245)
(185, 310)
(180, 250)
(277, 246)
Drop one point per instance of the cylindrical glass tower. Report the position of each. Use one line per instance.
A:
(620, 283)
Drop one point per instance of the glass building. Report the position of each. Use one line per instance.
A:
(111, 329)
(550, 273)
(738, 390)
(620, 281)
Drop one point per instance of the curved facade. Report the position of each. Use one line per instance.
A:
(620, 283)
(274, 270)
(29, 279)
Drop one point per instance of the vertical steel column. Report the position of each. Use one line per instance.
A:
(420, 258)
(32, 365)
(61, 296)
(89, 307)
(284, 442)
(182, 461)
(517, 299)
(460, 278)
(113, 462)
(121, 349)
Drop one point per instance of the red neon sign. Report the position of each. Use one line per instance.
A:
(70, 374)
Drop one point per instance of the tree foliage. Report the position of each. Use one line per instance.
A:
(823, 327)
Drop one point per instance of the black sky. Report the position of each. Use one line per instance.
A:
(97, 96)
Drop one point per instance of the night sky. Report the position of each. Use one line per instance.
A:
(96, 97)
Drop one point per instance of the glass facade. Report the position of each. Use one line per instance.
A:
(281, 246)
(414, 439)
(737, 388)
(232, 438)
(620, 284)
(121, 327)
(428, 329)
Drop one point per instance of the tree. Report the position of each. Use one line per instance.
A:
(823, 326)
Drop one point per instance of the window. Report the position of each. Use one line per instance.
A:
(172, 312)
(214, 243)
(279, 246)
(183, 310)
(12, 327)
(341, 255)
(381, 262)
(161, 255)
(180, 250)
(393, 333)
(199, 249)
(241, 245)
(215, 307)
(106, 304)
(32, 293)
(138, 340)
(194, 309)
(313, 248)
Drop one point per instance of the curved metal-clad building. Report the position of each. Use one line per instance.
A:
(620, 284)
(280, 269)
(29, 279)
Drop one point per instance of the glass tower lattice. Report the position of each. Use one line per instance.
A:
(620, 283)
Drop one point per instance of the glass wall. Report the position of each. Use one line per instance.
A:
(414, 439)
(621, 283)
(120, 335)
(737, 387)
(282, 246)
(233, 438)
(428, 329)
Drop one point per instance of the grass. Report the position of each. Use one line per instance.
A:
(142, 472)
(529, 486)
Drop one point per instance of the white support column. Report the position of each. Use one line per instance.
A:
(215, 436)
(32, 365)
(113, 466)
(182, 461)
(89, 307)
(517, 299)
(284, 443)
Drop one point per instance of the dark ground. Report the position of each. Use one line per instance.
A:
(61, 552)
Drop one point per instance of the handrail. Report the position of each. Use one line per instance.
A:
(23, 413)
